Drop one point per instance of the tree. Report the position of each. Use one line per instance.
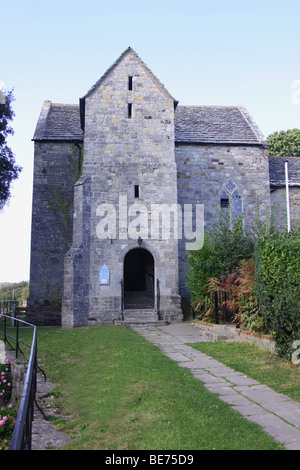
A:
(285, 143)
(9, 170)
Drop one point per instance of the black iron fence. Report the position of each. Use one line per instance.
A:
(21, 438)
(158, 299)
(221, 310)
(9, 307)
(122, 300)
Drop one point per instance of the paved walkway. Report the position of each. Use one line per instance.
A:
(277, 414)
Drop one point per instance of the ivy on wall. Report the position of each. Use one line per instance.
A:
(76, 161)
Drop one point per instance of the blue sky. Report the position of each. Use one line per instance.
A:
(214, 53)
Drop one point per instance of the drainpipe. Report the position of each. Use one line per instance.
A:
(79, 156)
(287, 196)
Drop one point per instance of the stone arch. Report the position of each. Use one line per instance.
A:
(138, 278)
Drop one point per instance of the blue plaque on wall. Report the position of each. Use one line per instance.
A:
(104, 275)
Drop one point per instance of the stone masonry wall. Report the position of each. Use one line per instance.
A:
(51, 219)
(278, 203)
(204, 171)
(124, 147)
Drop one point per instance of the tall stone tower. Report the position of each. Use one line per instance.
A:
(120, 264)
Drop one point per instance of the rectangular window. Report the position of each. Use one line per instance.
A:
(136, 191)
(130, 83)
(129, 110)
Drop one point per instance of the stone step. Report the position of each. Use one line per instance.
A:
(140, 317)
(140, 322)
(140, 311)
(218, 333)
(138, 306)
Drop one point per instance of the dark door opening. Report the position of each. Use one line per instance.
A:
(138, 279)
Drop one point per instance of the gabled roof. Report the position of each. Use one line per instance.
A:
(129, 50)
(59, 122)
(216, 125)
(193, 124)
(277, 171)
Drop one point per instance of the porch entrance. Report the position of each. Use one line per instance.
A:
(139, 279)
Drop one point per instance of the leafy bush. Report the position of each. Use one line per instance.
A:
(225, 244)
(263, 295)
(278, 287)
(285, 143)
(20, 289)
(238, 302)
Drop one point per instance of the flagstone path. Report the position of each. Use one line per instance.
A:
(276, 413)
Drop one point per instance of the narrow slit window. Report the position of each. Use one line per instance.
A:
(136, 191)
(130, 83)
(129, 110)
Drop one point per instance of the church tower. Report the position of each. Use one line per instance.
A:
(122, 265)
(125, 184)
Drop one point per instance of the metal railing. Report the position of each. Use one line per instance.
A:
(21, 437)
(220, 307)
(122, 299)
(9, 307)
(158, 299)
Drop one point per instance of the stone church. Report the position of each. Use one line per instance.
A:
(125, 182)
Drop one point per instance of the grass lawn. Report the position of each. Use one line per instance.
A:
(119, 392)
(279, 374)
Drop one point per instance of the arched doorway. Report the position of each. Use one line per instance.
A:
(138, 279)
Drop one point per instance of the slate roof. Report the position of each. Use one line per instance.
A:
(59, 122)
(277, 171)
(193, 125)
(217, 125)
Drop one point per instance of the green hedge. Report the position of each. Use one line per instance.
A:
(277, 259)
(225, 244)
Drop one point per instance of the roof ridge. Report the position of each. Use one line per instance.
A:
(207, 106)
(65, 104)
